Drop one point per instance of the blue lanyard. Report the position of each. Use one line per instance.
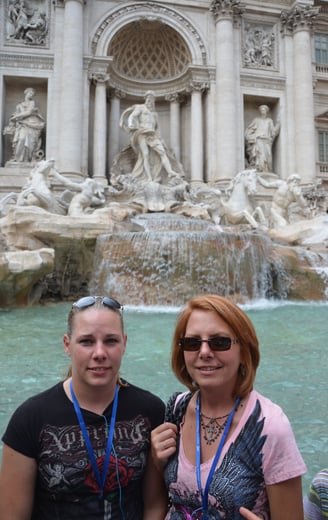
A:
(100, 481)
(217, 455)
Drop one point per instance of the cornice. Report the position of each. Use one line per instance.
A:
(258, 82)
(29, 61)
(198, 77)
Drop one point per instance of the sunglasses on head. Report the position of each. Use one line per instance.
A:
(217, 343)
(88, 301)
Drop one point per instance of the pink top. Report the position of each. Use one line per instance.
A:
(261, 451)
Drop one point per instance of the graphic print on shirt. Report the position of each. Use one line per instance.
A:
(65, 468)
(237, 481)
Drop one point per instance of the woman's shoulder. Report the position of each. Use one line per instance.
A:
(136, 401)
(141, 396)
(176, 406)
(44, 398)
(275, 419)
(132, 389)
(268, 407)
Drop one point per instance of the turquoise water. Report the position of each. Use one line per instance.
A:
(293, 369)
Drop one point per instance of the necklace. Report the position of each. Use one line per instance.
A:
(213, 428)
(204, 495)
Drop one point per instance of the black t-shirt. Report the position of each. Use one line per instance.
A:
(45, 427)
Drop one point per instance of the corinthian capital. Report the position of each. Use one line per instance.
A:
(99, 78)
(224, 8)
(300, 17)
(197, 86)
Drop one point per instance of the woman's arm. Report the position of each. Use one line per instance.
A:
(154, 493)
(17, 483)
(246, 513)
(285, 500)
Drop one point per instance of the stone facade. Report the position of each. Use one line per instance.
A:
(211, 64)
(239, 88)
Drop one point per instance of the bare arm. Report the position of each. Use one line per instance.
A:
(66, 182)
(246, 513)
(17, 483)
(285, 500)
(154, 493)
(268, 184)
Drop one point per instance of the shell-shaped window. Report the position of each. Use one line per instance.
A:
(149, 50)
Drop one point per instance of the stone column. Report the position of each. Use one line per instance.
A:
(54, 86)
(197, 137)
(210, 129)
(100, 125)
(71, 104)
(287, 118)
(299, 21)
(174, 100)
(226, 127)
(114, 125)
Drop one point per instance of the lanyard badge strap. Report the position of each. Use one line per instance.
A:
(217, 455)
(100, 479)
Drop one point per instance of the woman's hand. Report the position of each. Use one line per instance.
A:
(246, 513)
(163, 443)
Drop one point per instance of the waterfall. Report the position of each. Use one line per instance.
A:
(175, 258)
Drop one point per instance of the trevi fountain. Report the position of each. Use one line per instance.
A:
(148, 167)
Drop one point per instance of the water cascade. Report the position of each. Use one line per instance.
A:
(175, 258)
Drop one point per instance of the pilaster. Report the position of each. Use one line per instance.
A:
(100, 79)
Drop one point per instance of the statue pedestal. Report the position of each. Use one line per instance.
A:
(13, 176)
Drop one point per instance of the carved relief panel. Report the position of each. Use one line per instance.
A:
(27, 22)
(259, 46)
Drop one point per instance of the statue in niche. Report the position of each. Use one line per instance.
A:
(141, 123)
(259, 137)
(29, 25)
(25, 126)
(288, 193)
(258, 48)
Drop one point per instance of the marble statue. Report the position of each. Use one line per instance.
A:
(259, 137)
(231, 206)
(240, 206)
(30, 25)
(141, 123)
(25, 127)
(287, 192)
(90, 194)
(38, 189)
(39, 192)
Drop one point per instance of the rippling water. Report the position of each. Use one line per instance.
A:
(293, 371)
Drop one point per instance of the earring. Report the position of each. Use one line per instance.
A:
(242, 370)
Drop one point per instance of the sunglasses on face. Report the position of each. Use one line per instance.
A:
(218, 343)
(88, 301)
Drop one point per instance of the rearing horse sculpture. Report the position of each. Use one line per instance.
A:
(238, 207)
